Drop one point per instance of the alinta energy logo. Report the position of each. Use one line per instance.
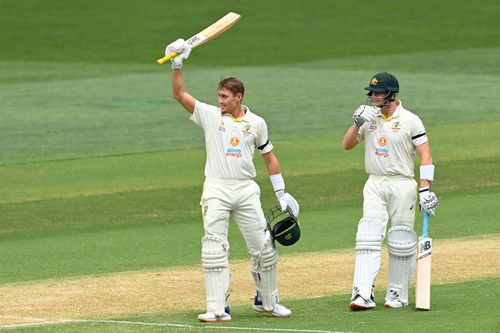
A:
(234, 152)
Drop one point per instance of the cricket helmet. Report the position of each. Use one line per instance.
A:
(381, 82)
(284, 226)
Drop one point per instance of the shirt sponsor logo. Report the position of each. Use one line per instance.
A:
(381, 151)
(373, 126)
(221, 127)
(233, 152)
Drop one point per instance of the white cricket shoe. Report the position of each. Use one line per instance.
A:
(395, 303)
(358, 303)
(278, 310)
(211, 317)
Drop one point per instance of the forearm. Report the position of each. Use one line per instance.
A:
(178, 86)
(350, 138)
(272, 164)
(426, 166)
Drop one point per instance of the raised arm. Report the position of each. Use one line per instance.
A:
(180, 93)
(350, 138)
(178, 87)
(363, 113)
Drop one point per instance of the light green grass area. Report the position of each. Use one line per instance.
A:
(325, 314)
(101, 171)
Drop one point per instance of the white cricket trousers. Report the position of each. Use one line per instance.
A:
(241, 198)
(390, 198)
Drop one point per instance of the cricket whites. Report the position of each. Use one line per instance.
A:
(423, 279)
(209, 33)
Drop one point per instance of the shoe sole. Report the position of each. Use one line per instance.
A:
(271, 313)
(213, 321)
(356, 307)
(393, 307)
(217, 320)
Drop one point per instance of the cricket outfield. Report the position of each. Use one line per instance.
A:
(101, 171)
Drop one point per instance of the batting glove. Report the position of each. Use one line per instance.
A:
(364, 113)
(288, 202)
(179, 46)
(428, 201)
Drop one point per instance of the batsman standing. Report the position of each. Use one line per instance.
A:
(392, 135)
(232, 134)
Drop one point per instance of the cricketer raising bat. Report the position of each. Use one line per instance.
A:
(209, 33)
(423, 280)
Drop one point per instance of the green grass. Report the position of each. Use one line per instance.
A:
(101, 171)
(457, 308)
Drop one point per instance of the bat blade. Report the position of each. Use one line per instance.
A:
(423, 278)
(206, 35)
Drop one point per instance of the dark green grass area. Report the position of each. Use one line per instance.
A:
(454, 308)
(269, 32)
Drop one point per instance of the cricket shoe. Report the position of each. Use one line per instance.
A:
(395, 303)
(211, 317)
(358, 303)
(278, 309)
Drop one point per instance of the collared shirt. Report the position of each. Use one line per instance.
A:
(231, 142)
(390, 143)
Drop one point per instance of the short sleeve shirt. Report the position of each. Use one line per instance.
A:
(230, 142)
(390, 143)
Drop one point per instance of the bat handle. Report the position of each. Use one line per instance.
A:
(425, 228)
(167, 57)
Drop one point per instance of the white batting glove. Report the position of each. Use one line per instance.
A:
(364, 113)
(428, 201)
(179, 46)
(288, 202)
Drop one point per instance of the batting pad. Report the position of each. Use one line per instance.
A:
(402, 243)
(215, 262)
(266, 276)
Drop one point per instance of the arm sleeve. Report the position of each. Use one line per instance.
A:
(203, 114)
(262, 142)
(418, 134)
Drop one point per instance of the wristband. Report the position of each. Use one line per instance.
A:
(176, 64)
(278, 182)
(427, 172)
(423, 189)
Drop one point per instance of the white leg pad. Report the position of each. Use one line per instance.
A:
(402, 243)
(368, 246)
(215, 262)
(265, 275)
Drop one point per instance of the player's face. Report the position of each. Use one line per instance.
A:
(378, 98)
(228, 101)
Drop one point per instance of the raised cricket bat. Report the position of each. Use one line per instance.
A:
(209, 33)
(423, 280)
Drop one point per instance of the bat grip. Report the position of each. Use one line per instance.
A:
(167, 57)
(425, 227)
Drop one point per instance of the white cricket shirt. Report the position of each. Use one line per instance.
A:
(390, 143)
(231, 142)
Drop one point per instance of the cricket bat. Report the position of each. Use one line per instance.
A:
(209, 33)
(423, 279)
